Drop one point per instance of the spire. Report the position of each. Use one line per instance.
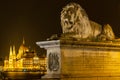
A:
(13, 49)
(14, 54)
(23, 41)
(10, 58)
(10, 50)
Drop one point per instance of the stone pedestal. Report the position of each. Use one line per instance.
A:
(53, 58)
(78, 60)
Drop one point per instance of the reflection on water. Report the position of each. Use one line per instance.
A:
(23, 75)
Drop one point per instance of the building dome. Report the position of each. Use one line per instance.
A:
(35, 59)
(22, 50)
(35, 56)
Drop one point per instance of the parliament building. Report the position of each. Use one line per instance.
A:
(24, 60)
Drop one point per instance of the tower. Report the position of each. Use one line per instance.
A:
(14, 57)
(22, 50)
(23, 41)
(10, 58)
(6, 63)
(14, 53)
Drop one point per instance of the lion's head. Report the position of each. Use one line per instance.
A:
(74, 20)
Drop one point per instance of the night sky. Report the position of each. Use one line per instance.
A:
(37, 20)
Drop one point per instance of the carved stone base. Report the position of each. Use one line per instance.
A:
(69, 60)
(53, 58)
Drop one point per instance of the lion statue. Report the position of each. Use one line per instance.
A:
(74, 21)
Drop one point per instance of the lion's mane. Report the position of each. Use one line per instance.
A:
(75, 20)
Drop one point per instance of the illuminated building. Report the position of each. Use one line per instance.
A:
(36, 61)
(22, 50)
(11, 58)
(1, 64)
(6, 63)
(25, 59)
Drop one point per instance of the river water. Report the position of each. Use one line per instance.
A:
(22, 75)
